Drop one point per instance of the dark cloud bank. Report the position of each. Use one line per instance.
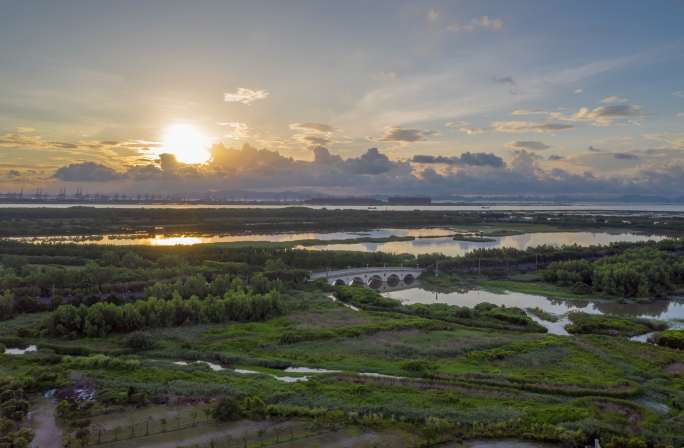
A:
(371, 173)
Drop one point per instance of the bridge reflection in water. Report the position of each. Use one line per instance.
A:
(380, 278)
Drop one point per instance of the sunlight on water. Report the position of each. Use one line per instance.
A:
(174, 240)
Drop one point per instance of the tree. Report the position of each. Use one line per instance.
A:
(6, 305)
(226, 409)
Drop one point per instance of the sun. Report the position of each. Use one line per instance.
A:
(187, 143)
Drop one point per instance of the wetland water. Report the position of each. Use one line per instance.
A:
(671, 311)
(426, 240)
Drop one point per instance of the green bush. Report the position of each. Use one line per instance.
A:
(139, 340)
(671, 338)
(226, 409)
(583, 323)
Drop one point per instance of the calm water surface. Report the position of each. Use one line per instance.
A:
(451, 247)
(671, 311)
(427, 240)
(617, 207)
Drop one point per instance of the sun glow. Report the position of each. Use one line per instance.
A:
(187, 143)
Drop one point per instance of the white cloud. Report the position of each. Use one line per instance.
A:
(311, 127)
(614, 100)
(397, 134)
(464, 126)
(245, 96)
(602, 115)
(578, 91)
(679, 93)
(528, 126)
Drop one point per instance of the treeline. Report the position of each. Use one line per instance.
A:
(101, 319)
(92, 221)
(507, 260)
(641, 272)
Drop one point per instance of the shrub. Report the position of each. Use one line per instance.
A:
(139, 340)
(226, 409)
(671, 338)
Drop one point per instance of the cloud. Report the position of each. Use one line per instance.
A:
(235, 130)
(658, 171)
(463, 126)
(671, 139)
(311, 127)
(87, 172)
(578, 91)
(372, 162)
(679, 115)
(614, 100)
(313, 139)
(679, 93)
(555, 157)
(602, 115)
(245, 96)
(312, 134)
(528, 112)
(532, 145)
(625, 156)
(397, 134)
(593, 149)
(465, 159)
(528, 126)
(479, 23)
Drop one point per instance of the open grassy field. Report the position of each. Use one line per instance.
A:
(479, 378)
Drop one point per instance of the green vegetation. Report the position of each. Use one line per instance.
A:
(643, 272)
(472, 238)
(101, 319)
(583, 323)
(215, 334)
(88, 221)
(671, 338)
(543, 315)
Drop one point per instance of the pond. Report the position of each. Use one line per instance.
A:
(426, 240)
(449, 246)
(671, 311)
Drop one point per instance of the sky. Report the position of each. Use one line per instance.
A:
(440, 98)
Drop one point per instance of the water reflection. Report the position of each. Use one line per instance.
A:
(668, 310)
(427, 240)
(448, 246)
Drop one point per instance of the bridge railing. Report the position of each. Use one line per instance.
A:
(368, 270)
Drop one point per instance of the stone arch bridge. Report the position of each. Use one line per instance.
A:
(373, 277)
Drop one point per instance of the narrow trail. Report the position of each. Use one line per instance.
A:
(48, 434)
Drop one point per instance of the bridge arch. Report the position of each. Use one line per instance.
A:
(375, 282)
(393, 280)
(409, 279)
(358, 281)
(339, 282)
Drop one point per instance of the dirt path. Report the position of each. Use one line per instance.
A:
(48, 434)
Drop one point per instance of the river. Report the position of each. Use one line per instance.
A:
(425, 240)
(671, 311)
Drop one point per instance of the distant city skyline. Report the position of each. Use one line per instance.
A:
(438, 98)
